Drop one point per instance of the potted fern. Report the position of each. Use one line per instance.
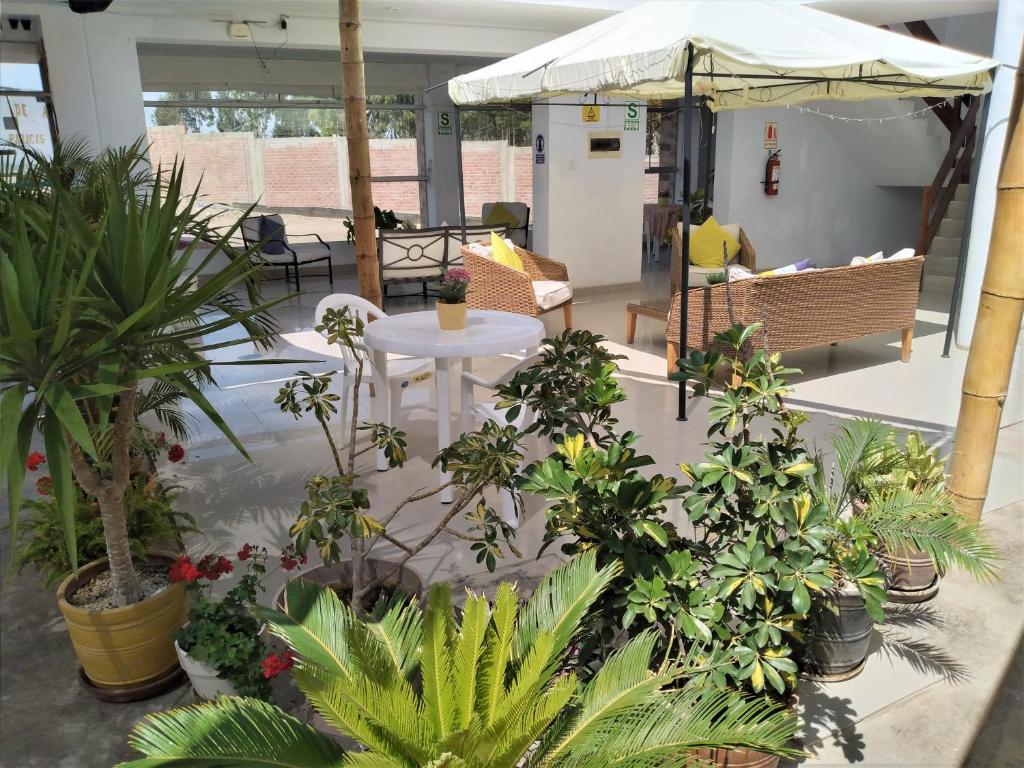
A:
(485, 686)
(96, 299)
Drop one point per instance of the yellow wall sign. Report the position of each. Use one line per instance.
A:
(591, 113)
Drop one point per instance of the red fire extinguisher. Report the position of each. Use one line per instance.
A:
(772, 173)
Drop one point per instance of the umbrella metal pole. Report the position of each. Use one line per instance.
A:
(458, 165)
(684, 278)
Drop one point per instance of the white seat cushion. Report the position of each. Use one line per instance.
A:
(551, 293)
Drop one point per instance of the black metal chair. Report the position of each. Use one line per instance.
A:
(268, 232)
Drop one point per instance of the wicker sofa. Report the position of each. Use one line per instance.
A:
(804, 309)
(544, 287)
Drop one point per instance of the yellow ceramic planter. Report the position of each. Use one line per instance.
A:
(130, 646)
(451, 317)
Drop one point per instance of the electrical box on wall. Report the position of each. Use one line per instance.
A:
(604, 144)
(239, 31)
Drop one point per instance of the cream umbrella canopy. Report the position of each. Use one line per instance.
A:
(734, 54)
(744, 53)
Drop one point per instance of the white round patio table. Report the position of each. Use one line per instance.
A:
(418, 334)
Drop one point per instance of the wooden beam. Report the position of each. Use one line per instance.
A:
(353, 88)
(1000, 311)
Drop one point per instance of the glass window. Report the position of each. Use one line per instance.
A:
(287, 152)
(24, 103)
(497, 157)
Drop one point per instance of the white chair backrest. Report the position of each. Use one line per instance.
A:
(357, 305)
(412, 254)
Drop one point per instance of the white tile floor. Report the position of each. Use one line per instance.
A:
(237, 500)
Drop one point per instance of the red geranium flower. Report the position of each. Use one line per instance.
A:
(34, 460)
(212, 567)
(44, 486)
(274, 664)
(161, 440)
(245, 552)
(184, 570)
(176, 453)
(290, 559)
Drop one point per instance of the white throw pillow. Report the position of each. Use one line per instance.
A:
(858, 260)
(479, 249)
(906, 253)
(551, 293)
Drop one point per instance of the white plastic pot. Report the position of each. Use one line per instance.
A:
(203, 677)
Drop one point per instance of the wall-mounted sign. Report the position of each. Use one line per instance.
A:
(538, 145)
(591, 113)
(444, 123)
(25, 121)
(632, 122)
(771, 135)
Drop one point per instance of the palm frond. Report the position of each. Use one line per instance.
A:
(860, 447)
(561, 602)
(928, 519)
(496, 657)
(661, 730)
(230, 733)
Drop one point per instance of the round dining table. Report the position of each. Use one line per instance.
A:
(418, 334)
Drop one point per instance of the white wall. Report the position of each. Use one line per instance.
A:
(827, 208)
(94, 77)
(588, 212)
(443, 186)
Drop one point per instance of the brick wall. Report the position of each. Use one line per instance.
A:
(302, 172)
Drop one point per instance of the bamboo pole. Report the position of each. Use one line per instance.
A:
(1000, 310)
(353, 88)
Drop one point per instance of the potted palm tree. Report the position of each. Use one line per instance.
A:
(899, 493)
(488, 686)
(97, 299)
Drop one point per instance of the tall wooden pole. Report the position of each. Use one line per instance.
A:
(353, 88)
(1000, 310)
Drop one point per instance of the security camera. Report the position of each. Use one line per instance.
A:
(89, 6)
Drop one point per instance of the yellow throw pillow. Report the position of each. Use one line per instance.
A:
(706, 245)
(502, 254)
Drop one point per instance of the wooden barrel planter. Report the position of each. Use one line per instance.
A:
(840, 641)
(911, 572)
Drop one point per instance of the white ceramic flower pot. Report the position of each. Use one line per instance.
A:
(203, 677)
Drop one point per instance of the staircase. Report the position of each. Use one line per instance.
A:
(940, 266)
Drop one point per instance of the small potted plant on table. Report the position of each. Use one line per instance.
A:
(451, 299)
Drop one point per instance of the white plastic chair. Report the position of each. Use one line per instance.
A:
(473, 411)
(403, 372)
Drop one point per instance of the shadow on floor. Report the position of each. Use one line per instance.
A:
(1000, 741)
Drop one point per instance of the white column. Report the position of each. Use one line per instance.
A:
(443, 184)
(93, 68)
(1009, 32)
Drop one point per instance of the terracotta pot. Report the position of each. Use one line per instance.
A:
(451, 317)
(130, 646)
(911, 572)
(737, 758)
(340, 575)
(840, 642)
(203, 677)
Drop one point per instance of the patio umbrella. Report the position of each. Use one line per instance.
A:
(732, 53)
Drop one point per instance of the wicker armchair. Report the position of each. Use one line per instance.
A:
(495, 286)
(804, 309)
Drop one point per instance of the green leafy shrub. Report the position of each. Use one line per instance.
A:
(151, 520)
(763, 537)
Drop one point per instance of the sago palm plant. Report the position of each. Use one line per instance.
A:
(485, 688)
(97, 299)
(899, 496)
